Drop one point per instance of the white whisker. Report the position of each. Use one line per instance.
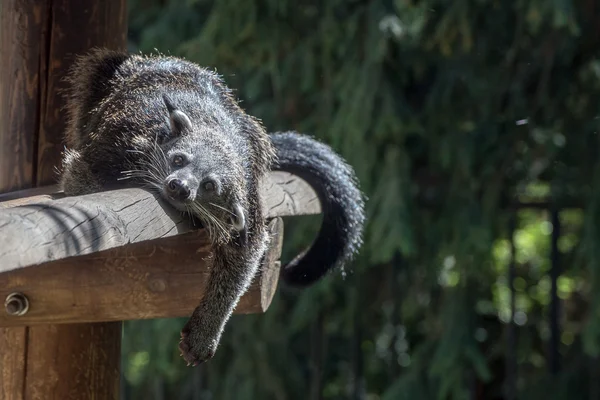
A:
(222, 208)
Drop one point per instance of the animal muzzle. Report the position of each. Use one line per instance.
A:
(178, 189)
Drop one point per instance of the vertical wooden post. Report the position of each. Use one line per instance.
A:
(38, 42)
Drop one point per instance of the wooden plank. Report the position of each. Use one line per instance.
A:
(138, 281)
(286, 195)
(281, 185)
(50, 230)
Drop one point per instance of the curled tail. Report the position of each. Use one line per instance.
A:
(341, 200)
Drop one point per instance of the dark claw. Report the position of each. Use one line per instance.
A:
(192, 356)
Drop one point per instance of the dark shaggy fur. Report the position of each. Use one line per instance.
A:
(175, 127)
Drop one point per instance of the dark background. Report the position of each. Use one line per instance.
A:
(473, 128)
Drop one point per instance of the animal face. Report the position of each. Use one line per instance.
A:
(193, 169)
(202, 180)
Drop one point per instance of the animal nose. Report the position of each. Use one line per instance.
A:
(178, 189)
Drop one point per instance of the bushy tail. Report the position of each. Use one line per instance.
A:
(341, 200)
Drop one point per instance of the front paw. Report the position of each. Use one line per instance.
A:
(195, 346)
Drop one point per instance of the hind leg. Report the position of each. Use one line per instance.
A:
(77, 177)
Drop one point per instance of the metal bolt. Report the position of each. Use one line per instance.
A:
(16, 304)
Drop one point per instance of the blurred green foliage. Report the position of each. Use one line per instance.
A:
(450, 112)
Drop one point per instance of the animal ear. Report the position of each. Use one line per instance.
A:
(179, 121)
(238, 220)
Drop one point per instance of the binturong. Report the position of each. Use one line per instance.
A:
(175, 127)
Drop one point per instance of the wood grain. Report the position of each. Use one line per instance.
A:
(37, 38)
(154, 279)
(49, 230)
(21, 24)
(72, 28)
(13, 354)
(73, 362)
(21, 27)
(294, 196)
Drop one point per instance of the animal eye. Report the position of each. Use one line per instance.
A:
(209, 186)
(178, 160)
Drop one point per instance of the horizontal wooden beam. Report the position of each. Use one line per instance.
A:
(153, 279)
(46, 228)
(122, 255)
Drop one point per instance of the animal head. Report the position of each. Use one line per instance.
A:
(196, 171)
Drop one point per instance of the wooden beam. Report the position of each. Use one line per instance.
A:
(137, 281)
(39, 232)
(81, 259)
(273, 186)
